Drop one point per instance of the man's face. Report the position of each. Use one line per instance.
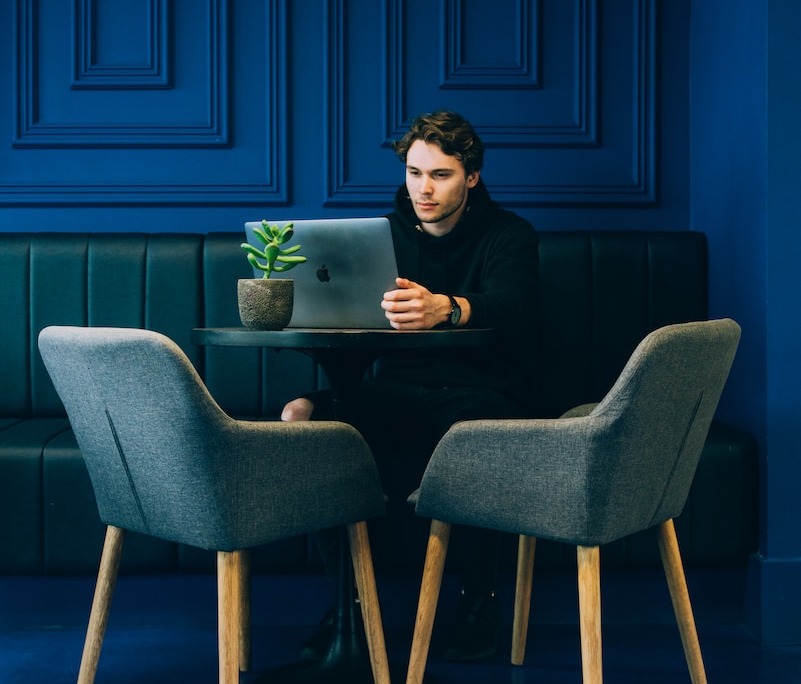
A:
(437, 186)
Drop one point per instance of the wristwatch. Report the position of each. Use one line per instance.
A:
(455, 313)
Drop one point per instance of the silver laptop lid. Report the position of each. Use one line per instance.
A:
(350, 264)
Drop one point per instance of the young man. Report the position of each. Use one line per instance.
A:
(463, 261)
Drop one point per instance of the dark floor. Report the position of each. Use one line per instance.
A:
(162, 629)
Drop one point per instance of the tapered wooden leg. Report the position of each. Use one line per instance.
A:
(525, 571)
(244, 612)
(364, 575)
(429, 596)
(229, 601)
(589, 589)
(101, 603)
(680, 596)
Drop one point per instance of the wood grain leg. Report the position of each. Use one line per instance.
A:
(680, 596)
(229, 620)
(364, 574)
(525, 571)
(589, 589)
(244, 612)
(101, 603)
(429, 596)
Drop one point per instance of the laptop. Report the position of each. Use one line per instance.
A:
(350, 264)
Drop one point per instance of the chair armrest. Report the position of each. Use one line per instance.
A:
(525, 473)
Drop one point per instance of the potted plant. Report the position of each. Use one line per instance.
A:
(266, 303)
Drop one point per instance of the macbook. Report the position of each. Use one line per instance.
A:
(350, 264)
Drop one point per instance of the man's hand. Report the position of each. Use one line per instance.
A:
(414, 307)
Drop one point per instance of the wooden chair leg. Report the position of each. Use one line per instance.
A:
(680, 596)
(589, 589)
(229, 601)
(364, 575)
(429, 596)
(244, 612)
(525, 571)
(101, 603)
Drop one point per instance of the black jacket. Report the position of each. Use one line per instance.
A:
(490, 258)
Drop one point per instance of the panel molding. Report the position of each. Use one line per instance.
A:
(581, 135)
(341, 190)
(211, 128)
(641, 190)
(270, 189)
(523, 72)
(579, 129)
(89, 72)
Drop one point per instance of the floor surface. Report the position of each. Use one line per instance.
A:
(162, 629)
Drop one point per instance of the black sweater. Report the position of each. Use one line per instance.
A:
(490, 257)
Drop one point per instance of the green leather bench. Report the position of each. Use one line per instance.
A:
(600, 293)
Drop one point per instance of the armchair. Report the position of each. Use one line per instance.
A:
(166, 461)
(599, 473)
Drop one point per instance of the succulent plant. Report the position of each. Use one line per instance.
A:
(275, 257)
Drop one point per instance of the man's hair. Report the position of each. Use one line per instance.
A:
(451, 132)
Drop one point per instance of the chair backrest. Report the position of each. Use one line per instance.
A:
(605, 472)
(652, 425)
(165, 460)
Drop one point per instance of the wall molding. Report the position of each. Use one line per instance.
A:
(210, 127)
(89, 70)
(60, 190)
(577, 131)
(523, 71)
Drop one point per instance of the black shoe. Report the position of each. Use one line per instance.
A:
(317, 646)
(321, 643)
(474, 635)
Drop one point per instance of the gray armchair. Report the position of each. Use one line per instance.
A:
(166, 461)
(599, 473)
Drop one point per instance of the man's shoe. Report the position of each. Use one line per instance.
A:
(474, 635)
(321, 642)
(317, 646)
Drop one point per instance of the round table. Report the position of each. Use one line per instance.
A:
(344, 354)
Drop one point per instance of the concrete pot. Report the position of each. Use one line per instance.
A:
(265, 303)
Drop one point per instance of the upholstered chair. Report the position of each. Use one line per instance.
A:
(165, 460)
(598, 474)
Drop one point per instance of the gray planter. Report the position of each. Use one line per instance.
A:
(265, 303)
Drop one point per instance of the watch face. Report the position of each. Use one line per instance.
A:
(456, 314)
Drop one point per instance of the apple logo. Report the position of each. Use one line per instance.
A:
(322, 274)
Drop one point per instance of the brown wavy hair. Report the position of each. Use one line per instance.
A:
(451, 132)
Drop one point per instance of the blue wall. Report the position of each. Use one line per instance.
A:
(746, 104)
(197, 115)
(212, 112)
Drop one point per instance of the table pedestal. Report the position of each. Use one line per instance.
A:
(344, 356)
(347, 660)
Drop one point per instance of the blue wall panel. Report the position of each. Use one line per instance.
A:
(537, 79)
(221, 104)
(153, 122)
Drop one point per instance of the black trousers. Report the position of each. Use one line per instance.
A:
(402, 424)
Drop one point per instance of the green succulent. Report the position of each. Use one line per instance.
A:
(276, 258)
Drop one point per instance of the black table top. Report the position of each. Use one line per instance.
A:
(342, 338)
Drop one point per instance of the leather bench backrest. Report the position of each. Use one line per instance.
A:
(600, 294)
(151, 281)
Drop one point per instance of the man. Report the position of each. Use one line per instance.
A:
(462, 261)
